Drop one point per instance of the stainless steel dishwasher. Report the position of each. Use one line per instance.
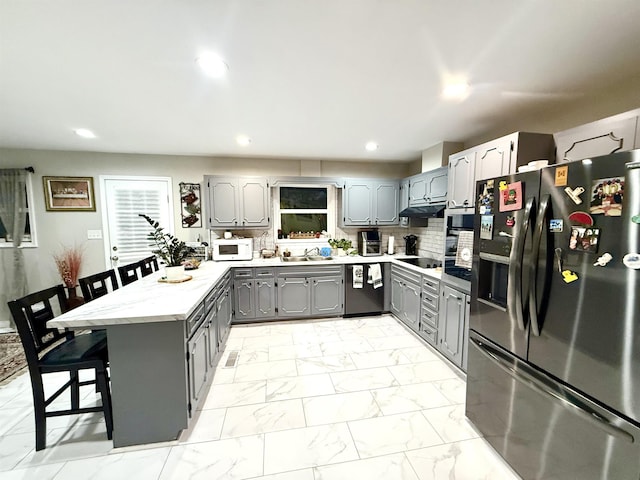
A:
(366, 300)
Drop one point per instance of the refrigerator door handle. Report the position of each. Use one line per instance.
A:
(527, 376)
(515, 304)
(537, 238)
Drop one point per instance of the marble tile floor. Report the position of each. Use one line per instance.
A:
(307, 400)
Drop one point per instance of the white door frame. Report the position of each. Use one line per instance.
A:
(105, 219)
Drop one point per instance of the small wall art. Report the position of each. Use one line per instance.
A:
(69, 194)
(190, 205)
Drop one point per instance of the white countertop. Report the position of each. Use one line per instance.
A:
(147, 300)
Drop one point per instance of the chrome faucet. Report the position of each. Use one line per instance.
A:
(311, 251)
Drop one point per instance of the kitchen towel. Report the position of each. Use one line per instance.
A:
(358, 273)
(376, 275)
(464, 254)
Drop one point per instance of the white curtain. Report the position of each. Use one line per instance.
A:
(13, 213)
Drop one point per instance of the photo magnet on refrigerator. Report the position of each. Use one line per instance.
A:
(635, 219)
(486, 227)
(556, 225)
(511, 221)
(607, 196)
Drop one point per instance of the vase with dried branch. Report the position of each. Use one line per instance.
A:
(69, 263)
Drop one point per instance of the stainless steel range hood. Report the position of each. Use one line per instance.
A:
(428, 211)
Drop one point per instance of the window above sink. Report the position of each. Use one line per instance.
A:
(304, 208)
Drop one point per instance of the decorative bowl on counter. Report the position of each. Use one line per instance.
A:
(191, 264)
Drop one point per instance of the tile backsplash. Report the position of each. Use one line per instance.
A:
(430, 238)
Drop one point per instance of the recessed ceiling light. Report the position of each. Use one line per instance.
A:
(243, 140)
(456, 91)
(587, 161)
(212, 65)
(84, 133)
(371, 146)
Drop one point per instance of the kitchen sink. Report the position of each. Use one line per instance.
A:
(315, 258)
(309, 258)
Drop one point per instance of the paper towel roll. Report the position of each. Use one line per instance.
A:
(390, 247)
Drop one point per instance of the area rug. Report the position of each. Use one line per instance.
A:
(12, 359)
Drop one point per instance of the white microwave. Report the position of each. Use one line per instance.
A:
(232, 249)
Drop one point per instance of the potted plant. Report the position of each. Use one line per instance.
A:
(341, 246)
(170, 250)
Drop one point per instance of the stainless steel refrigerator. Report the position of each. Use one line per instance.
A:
(553, 379)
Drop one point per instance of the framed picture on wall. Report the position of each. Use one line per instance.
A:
(69, 194)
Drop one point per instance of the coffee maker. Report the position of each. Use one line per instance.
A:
(411, 245)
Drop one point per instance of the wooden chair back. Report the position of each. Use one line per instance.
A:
(94, 286)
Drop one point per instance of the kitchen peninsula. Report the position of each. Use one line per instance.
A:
(164, 342)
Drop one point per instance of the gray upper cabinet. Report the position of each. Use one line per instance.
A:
(504, 155)
(493, 159)
(367, 202)
(404, 200)
(609, 135)
(237, 202)
(460, 193)
(428, 188)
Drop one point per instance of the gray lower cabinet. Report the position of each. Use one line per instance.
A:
(198, 365)
(310, 291)
(454, 315)
(254, 294)
(207, 330)
(327, 296)
(224, 312)
(428, 328)
(405, 296)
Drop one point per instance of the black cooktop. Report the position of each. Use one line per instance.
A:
(422, 262)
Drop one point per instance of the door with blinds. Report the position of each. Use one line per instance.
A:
(123, 199)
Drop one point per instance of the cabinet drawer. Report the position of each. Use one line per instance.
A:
(428, 333)
(195, 319)
(430, 317)
(210, 299)
(406, 274)
(264, 272)
(430, 285)
(430, 300)
(243, 273)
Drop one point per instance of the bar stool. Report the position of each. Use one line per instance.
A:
(94, 286)
(50, 350)
(128, 273)
(149, 265)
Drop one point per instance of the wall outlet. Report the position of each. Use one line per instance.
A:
(94, 234)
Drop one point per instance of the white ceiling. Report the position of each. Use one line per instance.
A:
(307, 78)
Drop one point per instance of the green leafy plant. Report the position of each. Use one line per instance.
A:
(343, 243)
(171, 250)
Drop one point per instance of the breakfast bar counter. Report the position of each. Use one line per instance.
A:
(162, 338)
